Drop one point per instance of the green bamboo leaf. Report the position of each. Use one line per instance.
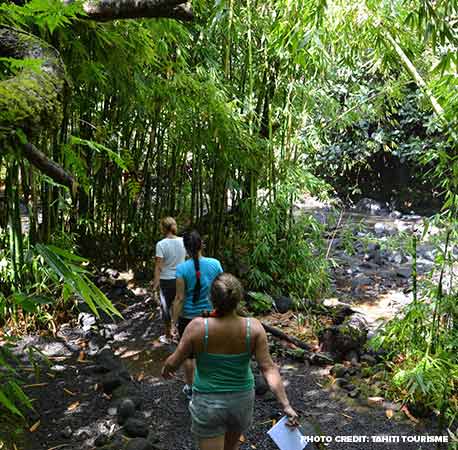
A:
(7, 403)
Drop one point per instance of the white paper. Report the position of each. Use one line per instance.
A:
(285, 437)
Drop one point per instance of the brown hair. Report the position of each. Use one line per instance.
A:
(226, 293)
(169, 225)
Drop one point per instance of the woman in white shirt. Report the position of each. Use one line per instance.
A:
(170, 252)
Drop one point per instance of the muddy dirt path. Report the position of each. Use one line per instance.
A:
(97, 368)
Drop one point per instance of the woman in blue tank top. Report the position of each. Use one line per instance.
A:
(223, 390)
(194, 279)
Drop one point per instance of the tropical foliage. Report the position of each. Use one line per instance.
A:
(223, 122)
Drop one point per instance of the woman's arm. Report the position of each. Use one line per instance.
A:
(157, 272)
(271, 373)
(183, 351)
(178, 303)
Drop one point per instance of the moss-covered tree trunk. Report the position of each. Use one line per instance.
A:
(31, 100)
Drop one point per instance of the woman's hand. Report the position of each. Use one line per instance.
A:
(168, 370)
(293, 417)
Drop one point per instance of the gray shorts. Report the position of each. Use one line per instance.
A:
(217, 413)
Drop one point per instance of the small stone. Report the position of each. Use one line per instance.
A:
(349, 387)
(360, 281)
(352, 356)
(341, 382)
(101, 440)
(111, 381)
(338, 371)
(283, 304)
(86, 320)
(117, 292)
(82, 433)
(370, 206)
(55, 349)
(397, 258)
(322, 359)
(379, 228)
(139, 444)
(122, 336)
(67, 432)
(374, 401)
(107, 361)
(354, 393)
(126, 409)
(112, 273)
(101, 280)
(391, 405)
(404, 272)
(120, 284)
(136, 428)
(368, 359)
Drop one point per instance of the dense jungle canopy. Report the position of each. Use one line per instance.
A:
(225, 114)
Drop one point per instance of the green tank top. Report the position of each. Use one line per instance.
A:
(224, 373)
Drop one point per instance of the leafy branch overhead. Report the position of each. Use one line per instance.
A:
(31, 100)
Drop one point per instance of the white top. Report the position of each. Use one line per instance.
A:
(172, 252)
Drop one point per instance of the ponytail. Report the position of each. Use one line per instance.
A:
(193, 244)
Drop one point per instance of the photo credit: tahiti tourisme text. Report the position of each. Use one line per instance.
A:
(378, 439)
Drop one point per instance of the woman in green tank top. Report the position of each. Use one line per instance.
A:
(223, 390)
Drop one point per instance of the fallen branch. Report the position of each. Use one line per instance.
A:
(107, 10)
(279, 334)
(49, 167)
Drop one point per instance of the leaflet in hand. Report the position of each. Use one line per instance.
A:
(287, 438)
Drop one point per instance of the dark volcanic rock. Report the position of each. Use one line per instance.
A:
(341, 339)
(113, 380)
(404, 272)
(341, 382)
(126, 409)
(339, 371)
(120, 284)
(369, 359)
(370, 206)
(101, 440)
(139, 444)
(67, 432)
(136, 427)
(322, 358)
(107, 361)
(283, 304)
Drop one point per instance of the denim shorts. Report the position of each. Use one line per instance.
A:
(217, 413)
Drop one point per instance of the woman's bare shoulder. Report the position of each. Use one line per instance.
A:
(196, 324)
(256, 326)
